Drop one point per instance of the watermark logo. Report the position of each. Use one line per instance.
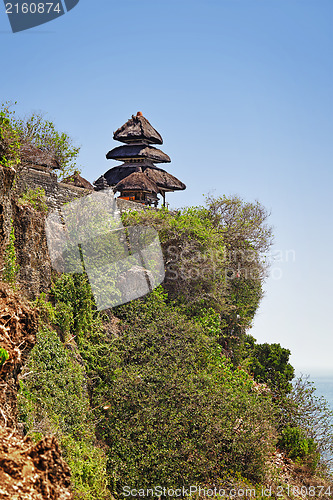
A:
(122, 264)
(24, 15)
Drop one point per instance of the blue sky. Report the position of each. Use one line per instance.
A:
(240, 90)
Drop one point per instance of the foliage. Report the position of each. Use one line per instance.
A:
(38, 131)
(45, 310)
(178, 412)
(169, 406)
(305, 410)
(72, 293)
(269, 363)
(162, 381)
(193, 254)
(88, 468)
(244, 226)
(42, 133)
(9, 137)
(11, 267)
(214, 260)
(53, 399)
(76, 316)
(3, 356)
(34, 198)
(202, 267)
(55, 387)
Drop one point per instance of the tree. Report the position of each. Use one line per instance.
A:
(270, 364)
(9, 138)
(243, 225)
(247, 238)
(310, 413)
(41, 133)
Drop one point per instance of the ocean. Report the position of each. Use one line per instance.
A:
(323, 383)
(322, 380)
(324, 387)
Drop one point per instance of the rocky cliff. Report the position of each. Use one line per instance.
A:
(34, 275)
(28, 471)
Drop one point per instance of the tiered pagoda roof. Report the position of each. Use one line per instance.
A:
(137, 129)
(162, 178)
(139, 173)
(138, 151)
(137, 181)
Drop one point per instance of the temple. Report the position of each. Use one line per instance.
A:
(138, 179)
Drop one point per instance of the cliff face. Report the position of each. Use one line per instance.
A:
(7, 177)
(27, 470)
(18, 328)
(34, 274)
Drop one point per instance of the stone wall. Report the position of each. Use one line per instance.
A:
(57, 193)
(127, 206)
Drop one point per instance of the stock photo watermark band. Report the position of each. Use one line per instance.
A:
(24, 15)
(122, 263)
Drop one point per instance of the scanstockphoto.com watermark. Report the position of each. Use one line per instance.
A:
(309, 491)
(24, 15)
(189, 491)
(190, 263)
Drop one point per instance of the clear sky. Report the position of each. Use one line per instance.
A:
(240, 90)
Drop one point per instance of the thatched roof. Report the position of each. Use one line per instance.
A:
(101, 183)
(137, 181)
(137, 129)
(32, 155)
(161, 178)
(164, 180)
(78, 181)
(139, 158)
(116, 174)
(138, 151)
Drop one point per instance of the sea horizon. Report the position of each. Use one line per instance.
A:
(322, 379)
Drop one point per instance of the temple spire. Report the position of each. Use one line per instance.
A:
(139, 157)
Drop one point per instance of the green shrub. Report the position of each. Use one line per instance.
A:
(9, 137)
(43, 134)
(194, 255)
(214, 259)
(298, 446)
(38, 131)
(269, 363)
(88, 469)
(305, 410)
(178, 413)
(45, 309)
(169, 406)
(3, 356)
(55, 388)
(53, 399)
(34, 198)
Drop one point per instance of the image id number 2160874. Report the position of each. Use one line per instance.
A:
(33, 8)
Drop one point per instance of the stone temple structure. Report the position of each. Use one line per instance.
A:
(138, 179)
